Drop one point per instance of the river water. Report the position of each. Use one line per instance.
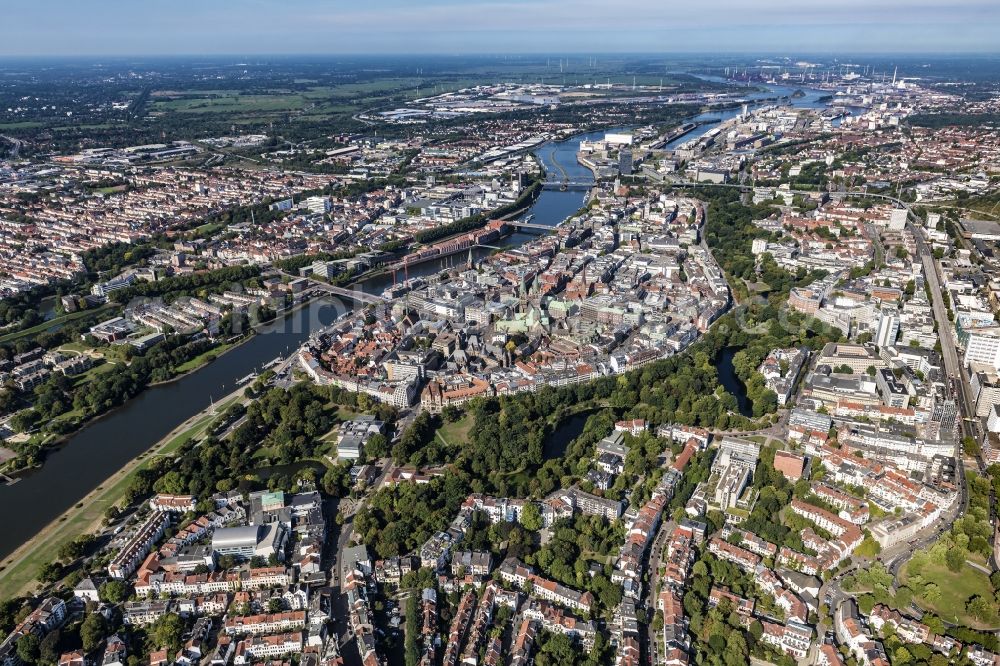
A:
(810, 100)
(94, 453)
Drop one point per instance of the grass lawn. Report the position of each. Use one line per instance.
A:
(24, 124)
(96, 370)
(956, 588)
(457, 434)
(56, 321)
(205, 357)
(78, 347)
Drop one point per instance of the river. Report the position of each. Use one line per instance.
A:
(98, 450)
(551, 208)
(812, 99)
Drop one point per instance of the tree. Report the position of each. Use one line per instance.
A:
(48, 648)
(901, 656)
(92, 631)
(980, 608)
(113, 592)
(166, 632)
(531, 517)
(955, 559)
(50, 572)
(377, 446)
(28, 648)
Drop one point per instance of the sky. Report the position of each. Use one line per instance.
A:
(182, 27)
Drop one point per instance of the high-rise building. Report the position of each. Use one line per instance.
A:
(625, 162)
(983, 346)
(888, 328)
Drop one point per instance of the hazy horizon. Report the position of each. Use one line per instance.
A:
(68, 28)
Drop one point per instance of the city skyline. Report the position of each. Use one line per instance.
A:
(310, 27)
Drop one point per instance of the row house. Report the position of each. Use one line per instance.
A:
(893, 490)
(750, 541)
(472, 562)
(911, 631)
(675, 624)
(49, 616)
(481, 621)
(524, 643)
(497, 509)
(793, 638)
(680, 555)
(980, 656)
(515, 572)
(793, 606)
(628, 569)
(142, 613)
(848, 533)
(851, 508)
(173, 503)
(429, 640)
(393, 569)
(459, 627)
(741, 557)
(265, 624)
(797, 561)
(125, 562)
(559, 621)
(259, 648)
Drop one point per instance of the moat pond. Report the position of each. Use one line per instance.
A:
(731, 382)
(560, 438)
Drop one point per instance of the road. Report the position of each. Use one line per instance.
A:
(336, 570)
(16, 150)
(648, 596)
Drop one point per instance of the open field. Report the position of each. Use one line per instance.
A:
(955, 588)
(457, 434)
(232, 102)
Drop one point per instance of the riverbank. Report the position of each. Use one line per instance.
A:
(50, 496)
(56, 441)
(19, 570)
(54, 322)
(203, 359)
(525, 206)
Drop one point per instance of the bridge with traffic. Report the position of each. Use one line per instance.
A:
(353, 294)
(569, 185)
